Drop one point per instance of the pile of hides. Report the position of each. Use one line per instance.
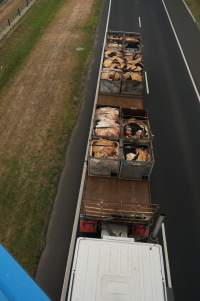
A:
(134, 128)
(121, 62)
(104, 148)
(132, 41)
(115, 37)
(114, 44)
(110, 74)
(107, 122)
(127, 40)
(137, 153)
(114, 59)
(133, 61)
(135, 76)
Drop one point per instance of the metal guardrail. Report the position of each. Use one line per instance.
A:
(8, 21)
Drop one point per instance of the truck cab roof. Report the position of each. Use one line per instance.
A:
(116, 269)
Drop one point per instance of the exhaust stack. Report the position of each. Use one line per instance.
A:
(157, 226)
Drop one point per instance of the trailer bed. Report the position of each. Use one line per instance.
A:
(116, 190)
(121, 101)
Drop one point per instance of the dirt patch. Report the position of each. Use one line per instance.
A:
(34, 101)
(37, 113)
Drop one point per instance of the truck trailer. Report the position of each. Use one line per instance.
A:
(117, 254)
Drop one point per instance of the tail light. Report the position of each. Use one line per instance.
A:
(87, 226)
(140, 230)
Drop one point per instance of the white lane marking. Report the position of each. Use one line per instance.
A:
(189, 11)
(146, 81)
(166, 256)
(139, 21)
(182, 53)
(76, 219)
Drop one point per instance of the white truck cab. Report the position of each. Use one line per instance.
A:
(117, 269)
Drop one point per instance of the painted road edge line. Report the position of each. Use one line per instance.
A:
(189, 11)
(182, 53)
(146, 81)
(139, 21)
(166, 256)
(76, 219)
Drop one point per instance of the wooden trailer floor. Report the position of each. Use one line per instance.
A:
(116, 190)
(121, 101)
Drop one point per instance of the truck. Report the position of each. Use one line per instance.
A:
(118, 255)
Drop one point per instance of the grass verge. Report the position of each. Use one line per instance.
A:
(194, 6)
(28, 183)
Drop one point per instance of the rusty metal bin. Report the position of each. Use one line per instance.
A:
(135, 119)
(132, 169)
(126, 38)
(132, 87)
(132, 40)
(110, 85)
(120, 79)
(115, 37)
(106, 122)
(105, 165)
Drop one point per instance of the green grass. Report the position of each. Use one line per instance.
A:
(28, 186)
(27, 194)
(194, 6)
(15, 49)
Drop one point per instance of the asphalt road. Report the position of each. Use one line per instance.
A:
(175, 120)
(188, 34)
(174, 116)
